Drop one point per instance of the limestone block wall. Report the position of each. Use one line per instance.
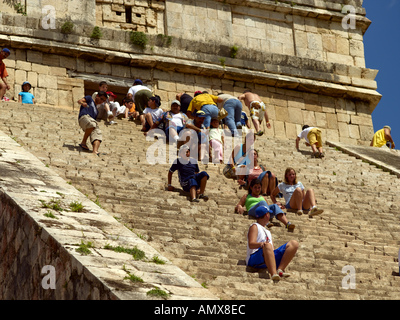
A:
(47, 73)
(26, 248)
(64, 10)
(303, 29)
(139, 15)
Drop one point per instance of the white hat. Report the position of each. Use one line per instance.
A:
(176, 101)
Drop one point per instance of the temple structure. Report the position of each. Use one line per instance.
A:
(305, 58)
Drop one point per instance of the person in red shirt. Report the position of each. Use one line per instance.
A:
(3, 72)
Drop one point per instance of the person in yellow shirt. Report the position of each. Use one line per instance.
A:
(381, 137)
(205, 102)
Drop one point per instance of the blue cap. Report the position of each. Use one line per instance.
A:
(262, 211)
(138, 81)
(200, 114)
(26, 82)
(6, 50)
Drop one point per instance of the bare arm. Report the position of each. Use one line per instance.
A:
(252, 238)
(273, 195)
(388, 136)
(297, 143)
(240, 207)
(5, 82)
(82, 102)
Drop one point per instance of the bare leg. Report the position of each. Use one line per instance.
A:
(256, 124)
(86, 136)
(203, 183)
(271, 183)
(142, 121)
(296, 201)
(314, 148)
(282, 218)
(309, 199)
(3, 89)
(265, 184)
(96, 145)
(193, 193)
(269, 258)
(291, 249)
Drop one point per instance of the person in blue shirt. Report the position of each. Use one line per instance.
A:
(25, 96)
(190, 177)
(87, 120)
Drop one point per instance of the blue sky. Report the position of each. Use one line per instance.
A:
(382, 52)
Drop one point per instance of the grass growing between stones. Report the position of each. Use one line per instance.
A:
(84, 248)
(52, 204)
(157, 292)
(76, 206)
(136, 253)
(131, 276)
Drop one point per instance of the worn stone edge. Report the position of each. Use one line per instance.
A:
(348, 150)
(189, 291)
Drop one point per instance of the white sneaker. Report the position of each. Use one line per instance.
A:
(276, 277)
(299, 212)
(283, 274)
(315, 211)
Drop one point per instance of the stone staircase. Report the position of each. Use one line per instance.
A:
(359, 228)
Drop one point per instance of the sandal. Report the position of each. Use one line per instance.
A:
(84, 147)
(204, 197)
(290, 226)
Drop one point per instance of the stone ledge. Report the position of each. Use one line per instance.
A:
(207, 68)
(388, 160)
(31, 240)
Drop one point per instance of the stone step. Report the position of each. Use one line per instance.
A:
(207, 240)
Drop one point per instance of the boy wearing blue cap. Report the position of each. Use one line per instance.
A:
(25, 96)
(260, 248)
(3, 72)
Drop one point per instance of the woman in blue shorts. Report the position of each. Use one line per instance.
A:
(296, 197)
(260, 248)
(254, 199)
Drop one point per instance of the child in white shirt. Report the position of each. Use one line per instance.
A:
(152, 113)
(216, 141)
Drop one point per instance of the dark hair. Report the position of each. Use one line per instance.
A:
(127, 100)
(246, 90)
(101, 83)
(305, 127)
(102, 94)
(253, 183)
(157, 99)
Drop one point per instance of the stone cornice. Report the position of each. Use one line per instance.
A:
(275, 73)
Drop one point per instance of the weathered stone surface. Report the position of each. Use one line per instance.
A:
(193, 237)
(52, 241)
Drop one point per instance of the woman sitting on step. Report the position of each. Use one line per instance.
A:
(254, 199)
(295, 195)
(257, 171)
